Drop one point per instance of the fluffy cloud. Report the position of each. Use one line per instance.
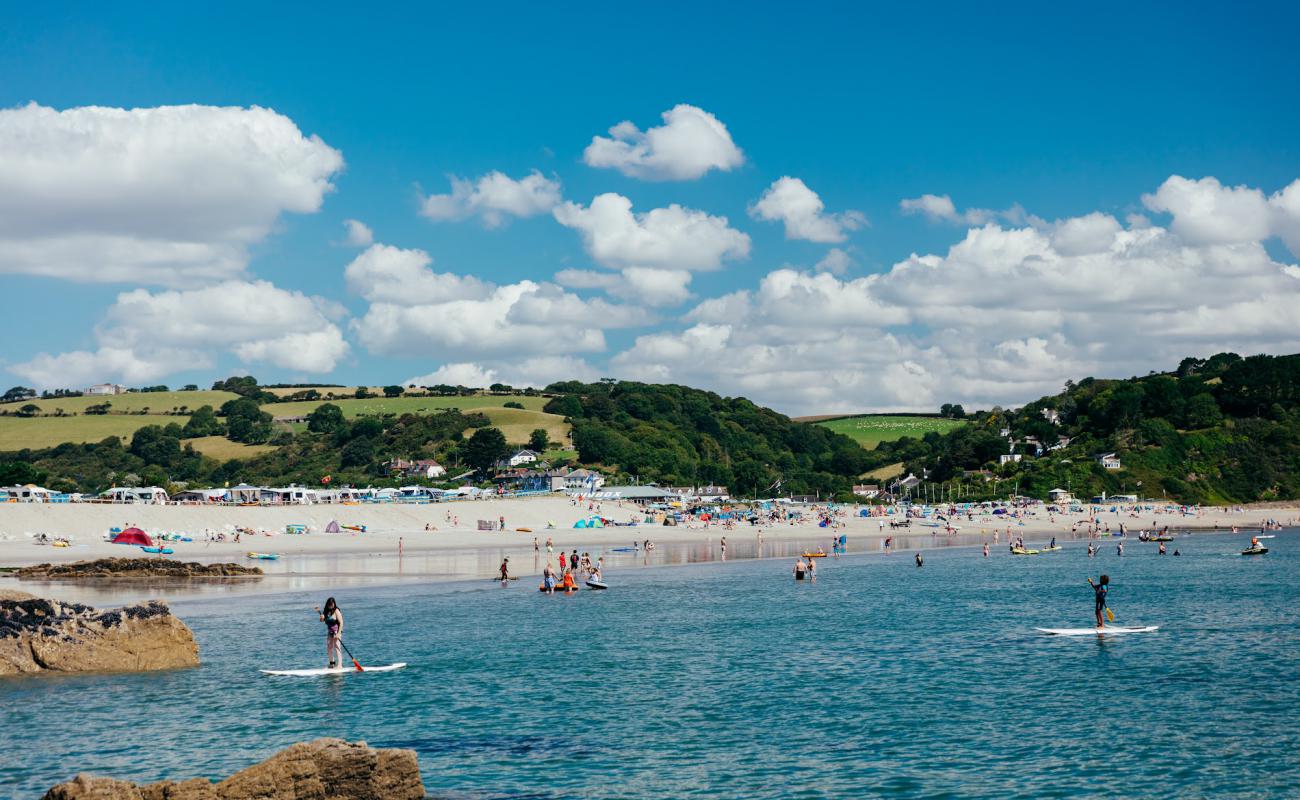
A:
(1207, 212)
(672, 238)
(536, 372)
(147, 335)
(647, 285)
(940, 208)
(386, 274)
(836, 262)
(789, 200)
(494, 197)
(1007, 314)
(359, 233)
(168, 195)
(689, 143)
(415, 311)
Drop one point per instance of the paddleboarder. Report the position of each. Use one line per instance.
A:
(1099, 590)
(333, 619)
(505, 569)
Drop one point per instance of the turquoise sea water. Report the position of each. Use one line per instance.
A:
(731, 680)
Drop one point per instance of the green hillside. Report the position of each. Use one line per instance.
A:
(869, 430)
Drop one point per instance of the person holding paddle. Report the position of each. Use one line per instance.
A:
(333, 619)
(505, 570)
(1099, 590)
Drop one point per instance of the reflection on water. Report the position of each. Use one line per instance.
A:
(343, 570)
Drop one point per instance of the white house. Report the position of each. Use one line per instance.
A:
(420, 468)
(1010, 458)
(1052, 415)
(1109, 461)
(524, 456)
(1060, 496)
(583, 481)
(867, 490)
(100, 389)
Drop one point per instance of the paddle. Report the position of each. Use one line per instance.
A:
(355, 663)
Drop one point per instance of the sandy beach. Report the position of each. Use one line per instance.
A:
(454, 527)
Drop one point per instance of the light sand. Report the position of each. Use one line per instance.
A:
(392, 526)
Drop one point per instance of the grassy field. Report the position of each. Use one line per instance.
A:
(871, 429)
(134, 401)
(405, 405)
(17, 433)
(887, 472)
(222, 449)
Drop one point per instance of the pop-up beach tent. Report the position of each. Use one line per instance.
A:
(133, 536)
(333, 527)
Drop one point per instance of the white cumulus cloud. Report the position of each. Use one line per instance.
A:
(494, 198)
(146, 335)
(673, 238)
(790, 201)
(167, 195)
(359, 233)
(689, 144)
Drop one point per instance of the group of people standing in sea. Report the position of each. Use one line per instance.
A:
(565, 577)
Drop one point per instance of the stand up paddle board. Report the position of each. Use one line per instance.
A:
(595, 584)
(311, 673)
(1106, 631)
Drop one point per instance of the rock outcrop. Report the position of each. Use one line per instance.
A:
(326, 769)
(38, 635)
(135, 568)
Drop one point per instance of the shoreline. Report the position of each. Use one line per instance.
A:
(395, 548)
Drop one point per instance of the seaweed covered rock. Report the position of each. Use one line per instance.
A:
(135, 568)
(38, 635)
(324, 769)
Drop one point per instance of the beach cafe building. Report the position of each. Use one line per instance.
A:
(641, 495)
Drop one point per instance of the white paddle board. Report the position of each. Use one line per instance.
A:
(1109, 629)
(309, 673)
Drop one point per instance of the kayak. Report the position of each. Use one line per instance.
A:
(592, 583)
(357, 528)
(309, 673)
(265, 556)
(166, 551)
(1109, 629)
(1160, 539)
(1254, 551)
(622, 549)
(814, 555)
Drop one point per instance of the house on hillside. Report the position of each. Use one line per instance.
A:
(425, 468)
(1010, 458)
(524, 456)
(867, 491)
(583, 481)
(1052, 415)
(1109, 461)
(641, 495)
(101, 389)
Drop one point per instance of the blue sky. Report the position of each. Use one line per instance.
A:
(1035, 114)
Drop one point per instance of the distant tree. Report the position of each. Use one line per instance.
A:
(501, 388)
(190, 387)
(513, 404)
(29, 410)
(203, 422)
(18, 473)
(393, 391)
(362, 393)
(326, 418)
(568, 406)
(246, 421)
(17, 393)
(99, 409)
(1202, 411)
(539, 440)
(152, 444)
(952, 411)
(486, 447)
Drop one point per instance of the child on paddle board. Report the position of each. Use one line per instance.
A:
(1099, 590)
(333, 619)
(505, 569)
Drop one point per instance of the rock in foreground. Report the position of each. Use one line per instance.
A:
(326, 769)
(135, 568)
(38, 635)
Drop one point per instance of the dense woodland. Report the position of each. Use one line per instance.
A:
(1218, 430)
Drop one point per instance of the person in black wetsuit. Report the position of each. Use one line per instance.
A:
(1099, 589)
(333, 619)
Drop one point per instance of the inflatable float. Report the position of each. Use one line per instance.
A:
(265, 556)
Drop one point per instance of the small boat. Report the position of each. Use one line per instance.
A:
(592, 583)
(814, 555)
(1020, 551)
(1050, 549)
(165, 551)
(1254, 551)
(265, 556)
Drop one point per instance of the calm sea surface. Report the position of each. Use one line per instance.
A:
(731, 680)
